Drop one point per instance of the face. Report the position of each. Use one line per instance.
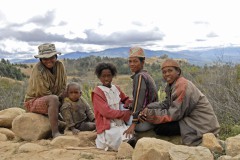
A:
(106, 77)
(49, 62)
(170, 74)
(135, 64)
(74, 93)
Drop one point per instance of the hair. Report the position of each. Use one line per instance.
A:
(179, 70)
(102, 66)
(73, 84)
(142, 59)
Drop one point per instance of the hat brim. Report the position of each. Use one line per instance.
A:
(47, 55)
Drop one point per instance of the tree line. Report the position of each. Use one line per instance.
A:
(10, 70)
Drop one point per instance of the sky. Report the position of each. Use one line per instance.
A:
(94, 25)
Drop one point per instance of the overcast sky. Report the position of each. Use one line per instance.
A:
(93, 25)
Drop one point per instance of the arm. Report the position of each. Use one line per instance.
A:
(102, 107)
(124, 98)
(139, 93)
(173, 108)
(88, 111)
(66, 114)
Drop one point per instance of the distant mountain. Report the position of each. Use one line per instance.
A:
(197, 57)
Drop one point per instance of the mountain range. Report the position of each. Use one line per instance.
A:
(196, 57)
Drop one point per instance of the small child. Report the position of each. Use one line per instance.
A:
(75, 110)
(110, 120)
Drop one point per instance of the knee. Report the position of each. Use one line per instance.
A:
(53, 99)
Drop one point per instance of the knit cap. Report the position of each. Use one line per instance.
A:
(136, 52)
(170, 63)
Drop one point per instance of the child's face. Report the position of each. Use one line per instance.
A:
(106, 77)
(74, 93)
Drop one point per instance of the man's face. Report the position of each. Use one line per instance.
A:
(49, 62)
(135, 64)
(170, 74)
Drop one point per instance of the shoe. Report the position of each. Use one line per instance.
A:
(132, 141)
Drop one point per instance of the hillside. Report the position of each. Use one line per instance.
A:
(197, 57)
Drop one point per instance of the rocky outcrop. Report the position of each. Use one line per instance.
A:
(7, 116)
(28, 139)
(31, 126)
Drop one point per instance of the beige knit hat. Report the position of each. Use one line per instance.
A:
(170, 63)
(136, 52)
(46, 50)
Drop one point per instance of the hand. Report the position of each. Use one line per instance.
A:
(130, 131)
(75, 131)
(142, 118)
(143, 115)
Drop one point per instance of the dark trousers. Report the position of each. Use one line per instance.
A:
(168, 129)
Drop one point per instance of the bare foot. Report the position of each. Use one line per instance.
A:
(54, 135)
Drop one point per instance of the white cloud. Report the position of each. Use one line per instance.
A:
(94, 25)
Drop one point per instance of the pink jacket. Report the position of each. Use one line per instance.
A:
(103, 113)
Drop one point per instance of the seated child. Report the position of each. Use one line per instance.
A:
(110, 120)
(75, 110)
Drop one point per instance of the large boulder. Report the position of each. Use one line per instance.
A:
(8, 115)
(151, 148)
(186, 153)
(65, 141)
(233, 146)
(31, 126)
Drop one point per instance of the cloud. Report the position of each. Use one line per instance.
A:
(137, 23)
(200, 40)
(201, 22)
(212, 35)
(173, 46)
(6, 54)
(45, 20)
(36, 35)
(126, 37)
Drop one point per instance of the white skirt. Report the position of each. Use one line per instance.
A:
(112, 138)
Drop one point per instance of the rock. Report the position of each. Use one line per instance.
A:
(86, 138)
(233, 146)
(31, 147)
(180, 152)
(8, 115)
(3, 137)
(150, 133)
(65, 141)
(124, 151)
(151, 148)
(31, 126)
(9, 133)
(210, 141)
(225, 157)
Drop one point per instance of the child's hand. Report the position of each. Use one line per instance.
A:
(75, 131)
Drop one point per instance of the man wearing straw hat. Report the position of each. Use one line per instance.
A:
(46, 86)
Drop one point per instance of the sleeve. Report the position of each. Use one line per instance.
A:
(66, 114)
(101, 106)
(64, 81)
(88, 111)
(172, 109)
(124, 98)
(139, 94)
